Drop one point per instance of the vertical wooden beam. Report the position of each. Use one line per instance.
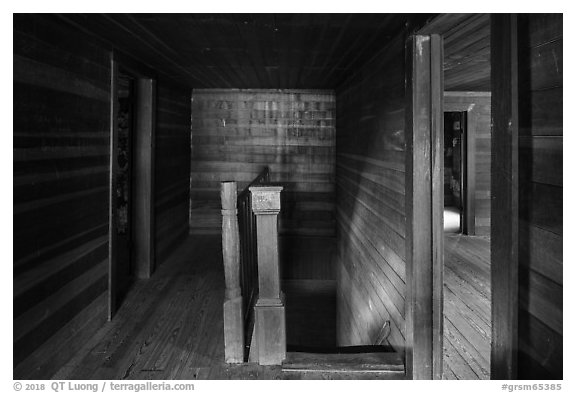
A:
(270, 323)
(469, 127)
(112, 257)
(504, 191)
(233, 315)
(437, 166)
(143, 178)
(424, 207)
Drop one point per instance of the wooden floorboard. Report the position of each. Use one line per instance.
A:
(170, 326)
(162, 322)
(467, 317)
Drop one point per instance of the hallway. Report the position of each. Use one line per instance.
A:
(467, 318)
(170, 327)
(125, 125)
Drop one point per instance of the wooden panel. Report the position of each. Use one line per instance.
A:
(61, 171)
(539, 309)
(250, 50)
(143, 183)
(541, 352)
(46, 360)
(541, 204)
(370, 263)
(345, 362)
(172, 165)
(477, 105)
(504, 187)
(466, 50)
(307, 257)
(61, 139)
(424, 206)
(235, 133)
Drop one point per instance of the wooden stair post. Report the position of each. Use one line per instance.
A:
(270, 319)
(233, 315)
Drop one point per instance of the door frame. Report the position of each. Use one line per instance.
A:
(504, 189)
(143, 148)
(469, 186)
(424, 206)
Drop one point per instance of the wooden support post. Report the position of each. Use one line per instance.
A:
(504, 246)
(424, 204)
(143, 183)
(233, 315)
(270, 323)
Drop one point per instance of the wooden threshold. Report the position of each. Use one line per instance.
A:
(376, 362)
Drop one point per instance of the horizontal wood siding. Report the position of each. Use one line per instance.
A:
(370, 201)
(172, 166)
(61, 187)
(466, 50)
(540, 196)
(235, 133)
(478, 128)
(61, 161)
(467, 54)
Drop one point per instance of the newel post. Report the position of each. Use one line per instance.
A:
(270, 319)
(233, 316)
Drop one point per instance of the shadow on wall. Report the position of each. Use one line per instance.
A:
(371, 219)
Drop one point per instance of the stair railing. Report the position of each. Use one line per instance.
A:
(239, 251)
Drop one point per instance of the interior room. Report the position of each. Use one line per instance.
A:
(236, 196)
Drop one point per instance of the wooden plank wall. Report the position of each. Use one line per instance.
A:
(466, 50)
(61, 161)
(172, 172)
(370, 204)
(235, 133)
(61, 186)
(540, 196)
(479, 119)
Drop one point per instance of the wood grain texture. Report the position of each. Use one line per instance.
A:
(504, 187)
(466, 50)
(540, 308)
(477, 106)
(271, 51)
(370, 264)
(172, 166)
(235, 133)
(171, 327)
(467, 318)
(61, 137)
(343, 362)
(424, 205)
(61, 172)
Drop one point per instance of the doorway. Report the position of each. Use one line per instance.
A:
(125, 120)
(454, 171)
(131, 198)
(448, 274)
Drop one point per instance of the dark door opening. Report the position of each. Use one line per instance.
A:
(131, 199)
(123, 185)
(454, 171)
